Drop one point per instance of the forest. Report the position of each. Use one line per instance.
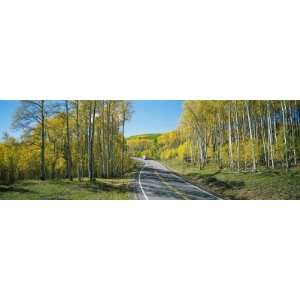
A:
(238, 149)
(67, 139)
(239, 135)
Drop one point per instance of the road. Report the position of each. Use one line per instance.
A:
(156, 182)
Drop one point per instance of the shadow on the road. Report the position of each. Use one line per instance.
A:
(150, 173)
(157, 183)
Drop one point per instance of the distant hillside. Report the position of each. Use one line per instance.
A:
(150, 136)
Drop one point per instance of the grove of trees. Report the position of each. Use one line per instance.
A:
(241, 135)
(85, 138)
(67, 139)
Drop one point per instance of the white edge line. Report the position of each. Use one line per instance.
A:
(141, 183)
(205, 192)
(197, 187)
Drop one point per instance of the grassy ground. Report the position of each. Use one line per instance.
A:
(64, 189)
(264, 184)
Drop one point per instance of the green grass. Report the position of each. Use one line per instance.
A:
(111, 189)
(264, 184)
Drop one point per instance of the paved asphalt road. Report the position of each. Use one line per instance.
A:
(156, 182)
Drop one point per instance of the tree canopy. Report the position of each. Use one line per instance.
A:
(240, 135)
(67, 139)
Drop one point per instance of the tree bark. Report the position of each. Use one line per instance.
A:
(79, 154)
(251, 137)
(237, 136)
(43, 168)
(264, 140)
(229, 137)
(92, 114)
(270, 135)
(69, 154)
(123, 139)
(284, 124)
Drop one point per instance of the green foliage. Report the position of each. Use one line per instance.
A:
(240, 135)
(146, 144)
(22, 159)
(150, 136)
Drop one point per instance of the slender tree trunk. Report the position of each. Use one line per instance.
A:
(79, 154)
(237, 136)
(263, 134)
(123, 141)
(251, 137)
(90, 163)
(43, 169)
(284, 124)
(93, 136)
(92, 114)
(297, 116)
(270, 135)
(205, 146)
(201, 161)
(111, 160)
(244, 126)
(264, 141)
(69, 154)
(85, 148)
(291, 119)
(103, 140)
(99, 135)
(108, 140)
(220, 142)
(229, 137)
(275, 129)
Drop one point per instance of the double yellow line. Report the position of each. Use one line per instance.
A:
(180, 194)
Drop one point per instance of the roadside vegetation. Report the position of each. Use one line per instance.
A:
(64, 189)
(69, 150)
(263, 184)
(238, 149)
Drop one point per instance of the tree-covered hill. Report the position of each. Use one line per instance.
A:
(150, 136)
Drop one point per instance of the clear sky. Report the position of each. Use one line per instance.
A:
(7, 110)
(154, 116)
(150, 116)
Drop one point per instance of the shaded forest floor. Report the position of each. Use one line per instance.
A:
(264, 184)
(110, 189)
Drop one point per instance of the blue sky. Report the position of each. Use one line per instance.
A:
(7, 110)
(154, 116)
(150, 116)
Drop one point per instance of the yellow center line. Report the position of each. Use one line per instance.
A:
(171, 187)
